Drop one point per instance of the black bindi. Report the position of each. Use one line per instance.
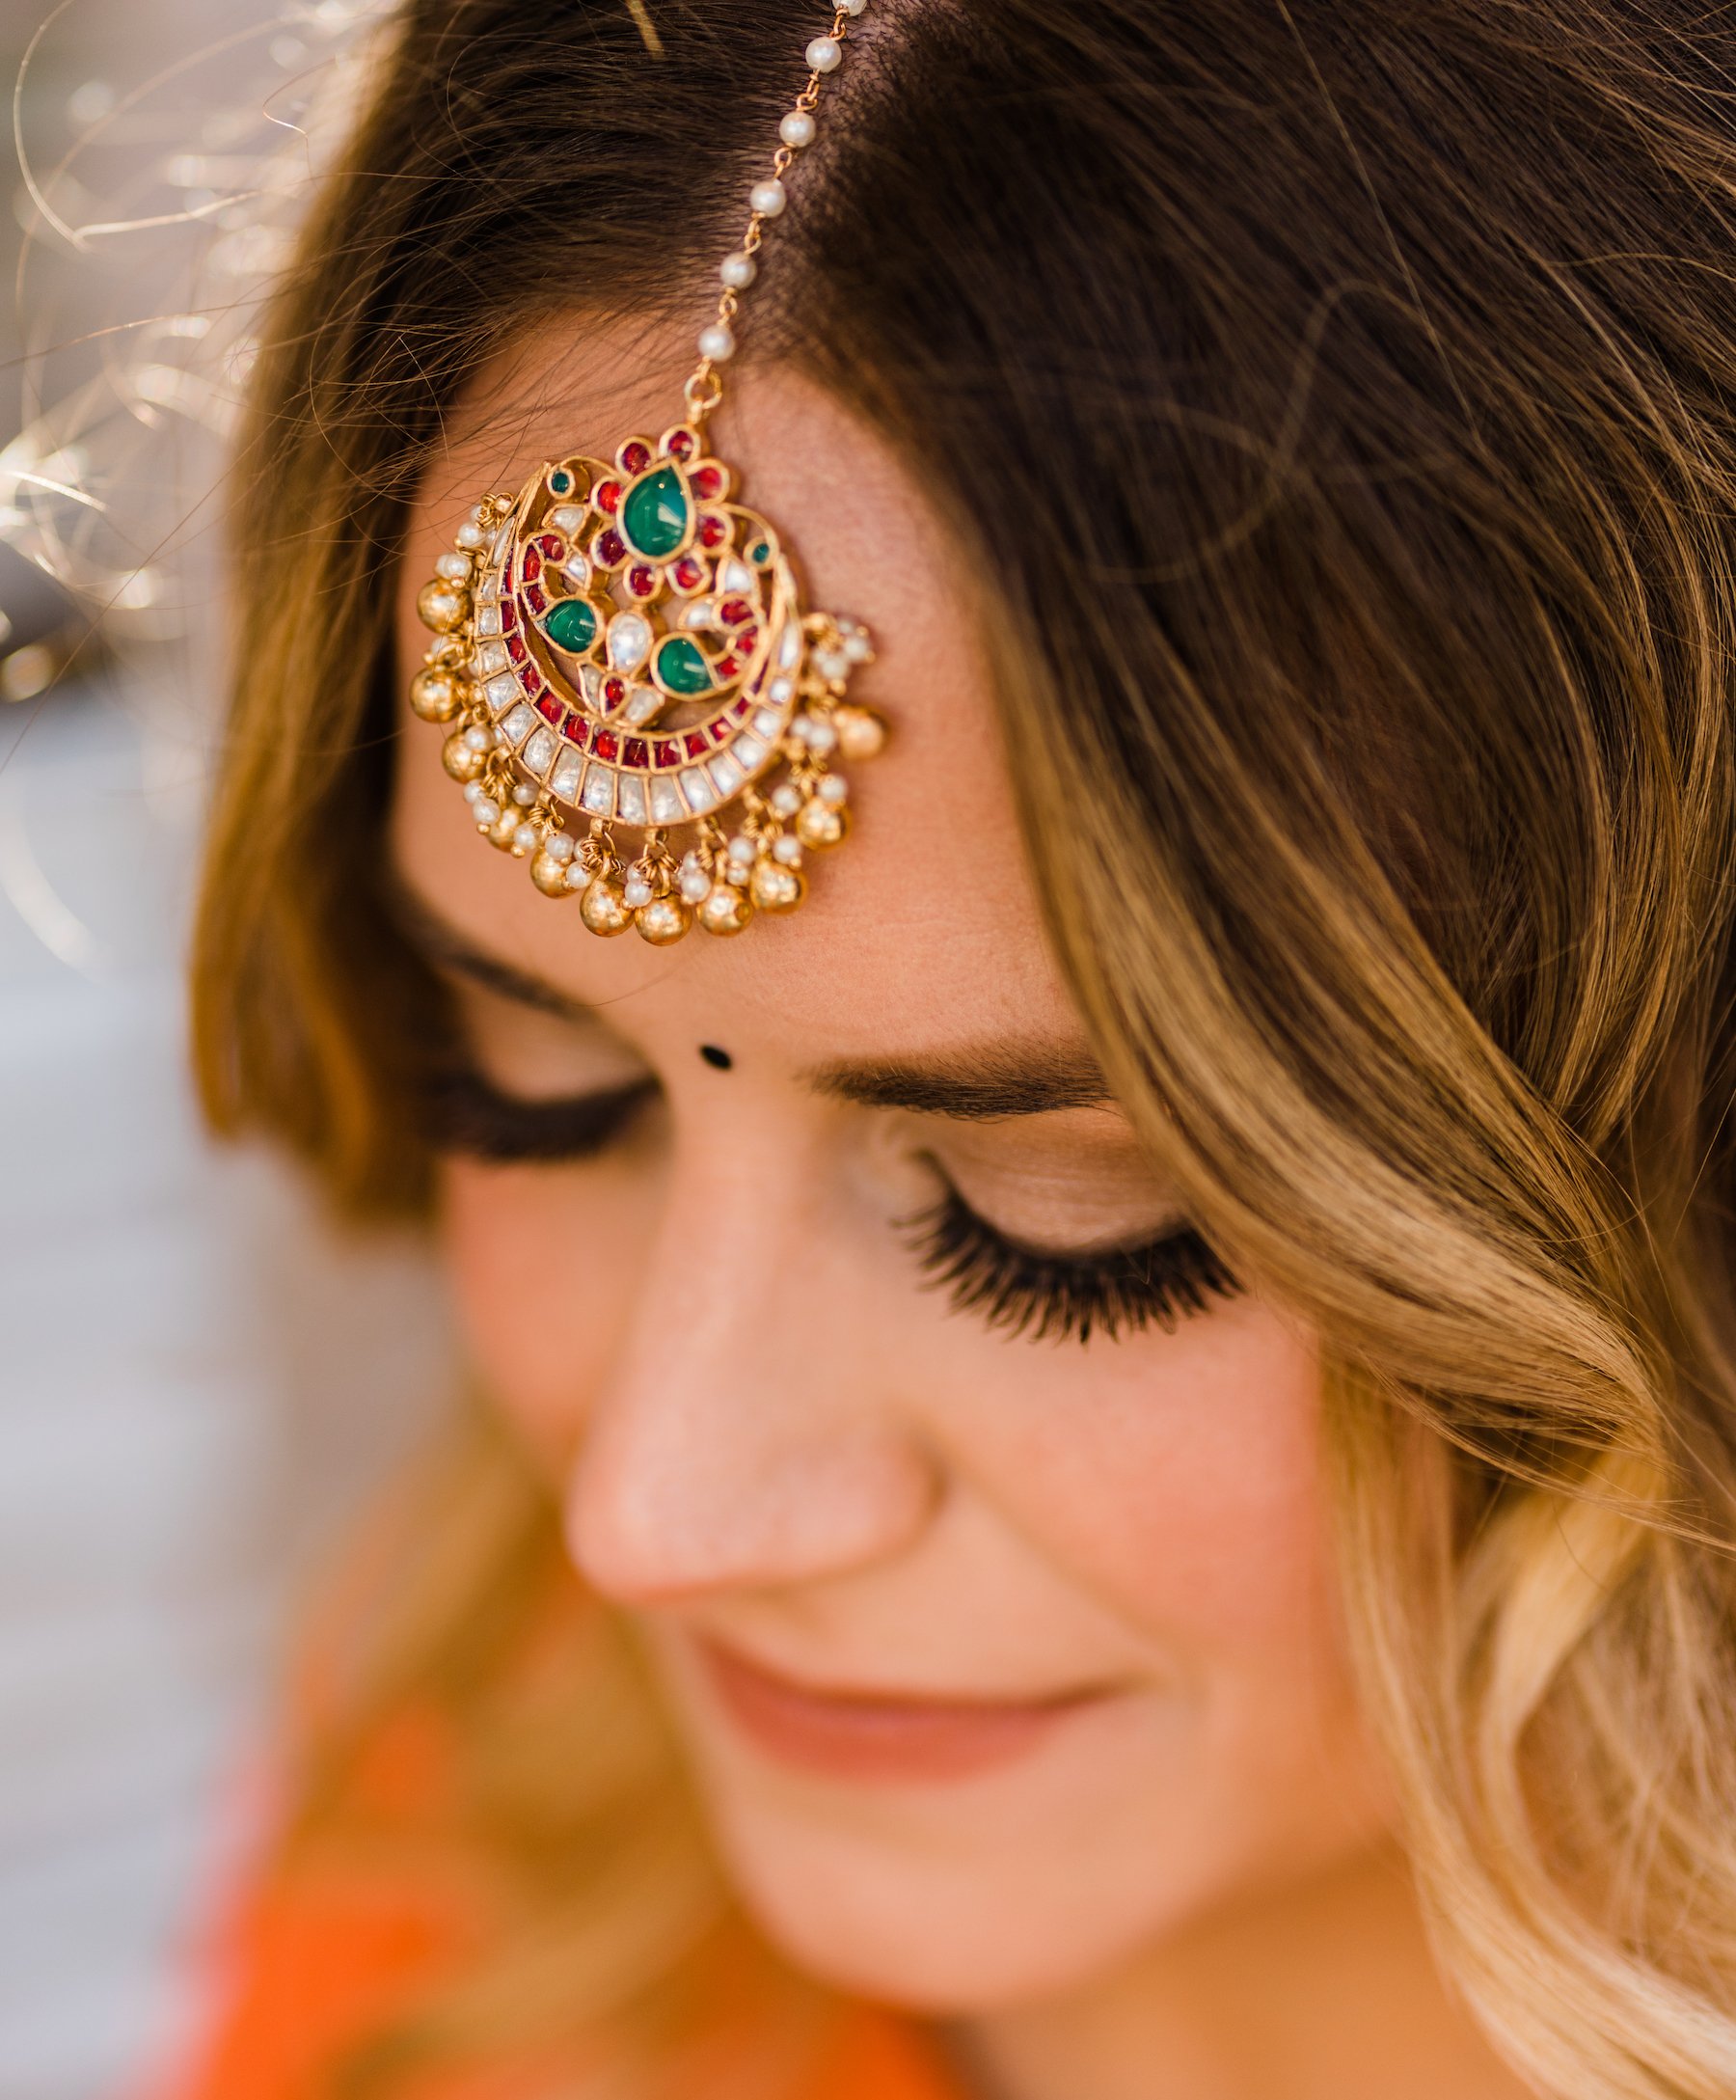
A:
(719, 1059)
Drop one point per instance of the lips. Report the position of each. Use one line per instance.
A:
(876, 1737)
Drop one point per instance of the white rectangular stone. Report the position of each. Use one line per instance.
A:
(629, 799)
(599, 791)
(698, 790)
(491, 657)
(502, 539)
(726, 774)
(488, 619)
(667, 804)
(539, 752)
(518, 725)
(501, 690)
(770, 723)
(748, 749)
(564, 780)
(788, 647)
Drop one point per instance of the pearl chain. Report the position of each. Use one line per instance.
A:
(766, 201)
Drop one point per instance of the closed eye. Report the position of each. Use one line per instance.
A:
(464, 1113)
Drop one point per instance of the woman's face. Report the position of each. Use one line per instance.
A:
(998, 1657)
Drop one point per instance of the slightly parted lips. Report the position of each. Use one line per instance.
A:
(869, 1736)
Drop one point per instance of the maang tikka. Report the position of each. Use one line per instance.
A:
(622, 646)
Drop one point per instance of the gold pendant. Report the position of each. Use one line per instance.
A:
(623, 646)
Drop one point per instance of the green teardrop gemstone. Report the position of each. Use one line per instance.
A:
(571, 624)
(656, 515)
(680, 666)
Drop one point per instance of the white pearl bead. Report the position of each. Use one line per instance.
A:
(786, 799)
(832, 663)
(638, 891)
(478, 740)
(822, 737)
(741, 847)
(824, 54)
(559, 846)
(453, 567)
(472, 535)
(717, 343)
(768, 197)
(788, 851)
(479, 514)
(695, 885)
(739, 270)
(857, 647)
(527, 838)
(523, 794)
(475, 791)
(796, 129)
(854, 6)
(486, 808)
(579, 876)
(834, 789)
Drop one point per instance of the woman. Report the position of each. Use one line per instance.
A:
(1136, 1403)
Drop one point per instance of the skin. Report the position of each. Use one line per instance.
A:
(765, 1432)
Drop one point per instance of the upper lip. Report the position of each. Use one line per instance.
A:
(884, 1698)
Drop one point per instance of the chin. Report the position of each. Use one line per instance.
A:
(937, 1932)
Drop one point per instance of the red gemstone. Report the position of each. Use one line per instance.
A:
(634, 458)
(633, 752)
(516, 650)
(551, 545)
(607, 497)
(734, 611)
(605, 744)
(531, 679)
(719, 729)
(550, 708)
(530, 564)
(681, 443)
(713, 530)
(669, 754)
(689, 574)
(696, 743)
(708, 482)
(610, 548)
(573, 730)
(615, 692)
(745, 640)
(741, 707)
(641, 580)
(508, 614)
(726, 667)
(536, 598)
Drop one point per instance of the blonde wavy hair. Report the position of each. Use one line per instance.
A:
(1339, 402)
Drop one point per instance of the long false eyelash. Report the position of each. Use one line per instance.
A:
(462, 1112)
(1053, 1297)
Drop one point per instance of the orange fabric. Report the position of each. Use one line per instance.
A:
(313, 1972)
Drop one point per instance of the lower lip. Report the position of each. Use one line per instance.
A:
(881, 1739)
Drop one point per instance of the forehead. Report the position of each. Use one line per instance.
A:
(922, 931)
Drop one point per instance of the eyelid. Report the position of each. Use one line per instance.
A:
(465, 1112)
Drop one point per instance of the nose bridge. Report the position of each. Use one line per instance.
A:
(731, 1442)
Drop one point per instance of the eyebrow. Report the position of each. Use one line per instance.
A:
(972, 1086)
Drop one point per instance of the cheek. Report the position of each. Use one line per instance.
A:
(1180, 1482)
(539, 1267)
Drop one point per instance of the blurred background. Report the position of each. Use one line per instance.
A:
(198, 1382)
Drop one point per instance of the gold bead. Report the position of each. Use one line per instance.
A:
(441, 606)
(724, 909)
(604, 908)
(776, 889)
(550, 875)
(434, 695)
(662, 921)
(821, 824)
(460, 760)
(861, 733)
(505, 828)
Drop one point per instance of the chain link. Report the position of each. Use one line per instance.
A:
(704, 390)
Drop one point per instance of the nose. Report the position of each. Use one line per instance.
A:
(745, 1436)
